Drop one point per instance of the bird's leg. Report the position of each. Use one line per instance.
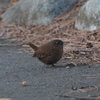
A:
(48, 66)
(52, 65)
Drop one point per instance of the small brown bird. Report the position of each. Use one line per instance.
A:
(50, 52)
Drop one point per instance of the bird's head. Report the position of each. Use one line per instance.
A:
(57, 43)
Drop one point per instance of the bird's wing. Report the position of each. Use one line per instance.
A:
(41, 54)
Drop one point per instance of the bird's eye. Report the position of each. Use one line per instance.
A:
(56, 42)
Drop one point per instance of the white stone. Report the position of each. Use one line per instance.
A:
(88, 18)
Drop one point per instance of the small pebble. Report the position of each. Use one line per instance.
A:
(24, 83)
(67, 67)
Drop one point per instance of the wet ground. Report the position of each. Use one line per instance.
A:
(43, 83)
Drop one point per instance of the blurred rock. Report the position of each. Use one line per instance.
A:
(4, 3)
(88, 18)
(34, 12)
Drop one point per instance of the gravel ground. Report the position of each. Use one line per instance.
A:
(44, 83)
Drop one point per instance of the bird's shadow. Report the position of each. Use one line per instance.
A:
(61, 66)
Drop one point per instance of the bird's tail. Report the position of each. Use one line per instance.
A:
(33, 46)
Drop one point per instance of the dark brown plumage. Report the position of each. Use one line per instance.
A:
(50, 52)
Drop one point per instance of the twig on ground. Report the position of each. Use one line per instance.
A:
(3, 32)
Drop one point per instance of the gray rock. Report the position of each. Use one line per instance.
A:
(33, 12)
(89, 16)
(4, 3)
